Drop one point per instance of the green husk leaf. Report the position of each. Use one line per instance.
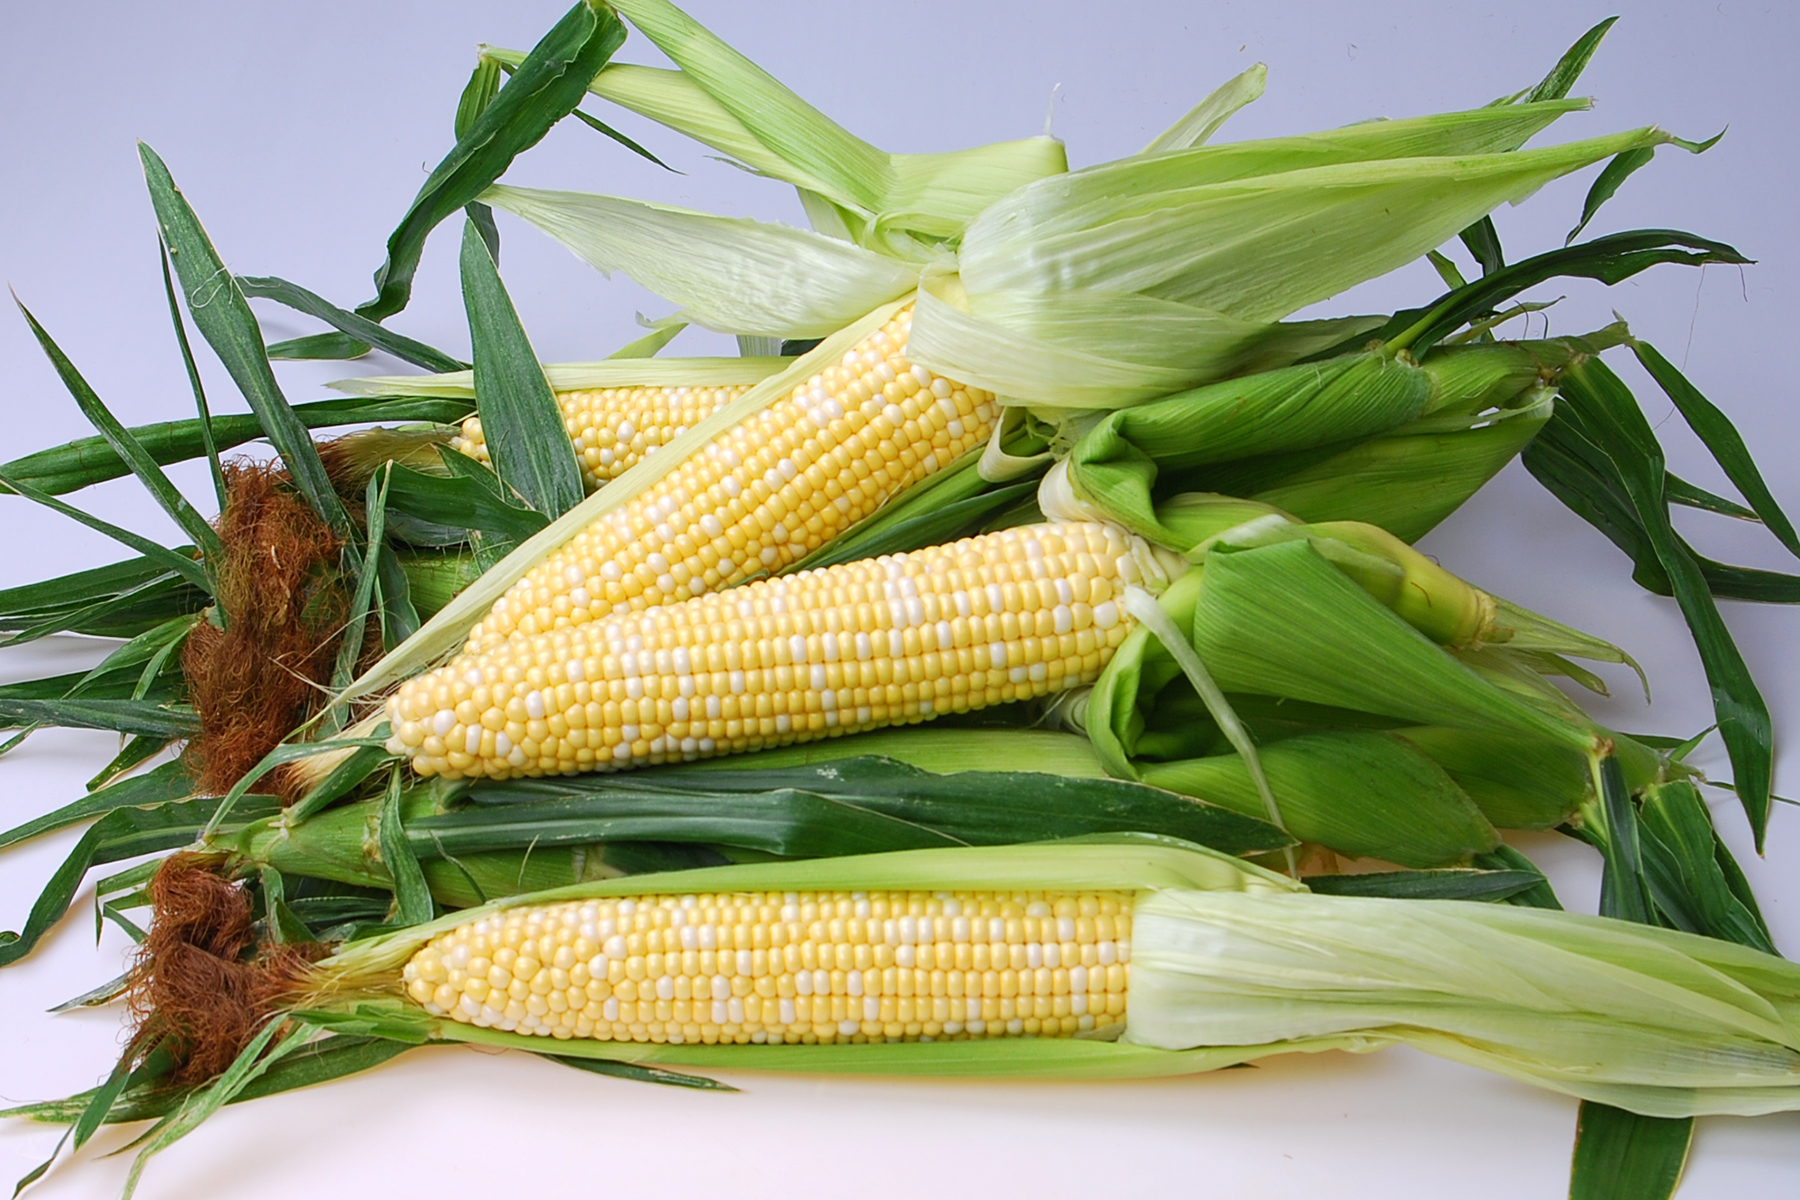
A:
(520, 419)
(1203, 120)
(1367, 795)
(1517, 782)
(1231, 247)
(632, 371)
(1115, 465)
(547, 86)
(1446, 884)
(1281, 620)
(356, 328)
(730, 274)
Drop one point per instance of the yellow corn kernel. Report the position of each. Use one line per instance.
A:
(761, 495)
(726, 977)
(613, 429)
(885, 641)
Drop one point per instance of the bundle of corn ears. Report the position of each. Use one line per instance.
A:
(1026, 516)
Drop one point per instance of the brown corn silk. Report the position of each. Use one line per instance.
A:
(200, 987)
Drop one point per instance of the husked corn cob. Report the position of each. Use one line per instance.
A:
(796, 967)
(760, 496)
(614, 429)
(902, 638)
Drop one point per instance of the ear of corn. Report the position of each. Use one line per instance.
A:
(1220, 955)
(1007, 616)
(627, 499)
(760, 495)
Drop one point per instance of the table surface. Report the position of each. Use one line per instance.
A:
(301, 132)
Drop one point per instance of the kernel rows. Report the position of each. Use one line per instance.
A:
(787, 967)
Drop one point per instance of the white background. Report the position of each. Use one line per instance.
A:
(300, 132)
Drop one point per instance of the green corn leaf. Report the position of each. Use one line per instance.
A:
(1601, 408)
(125, 446)
(943, 520)
(477, 94)
(1483, 241)
(640, 1074)
(362, 597)
(193, 374)
(136, 751)
(165, 784)
(520, 419)
(121, 834)
(399, 616)
(170, 560)
(86, 461)
(1446, 884)
(1685, 873)
(328, 347)
(412, 899)
(1569, 67)
(547, 86)
(1610, 259)
(223, 315)
(358, 329)
(473, 500)
(1575, 470)
(1607, 185)
(128, 613)
(1506, 858)
(1621, 1155)
(1720, 437)
(1680, 491)
(601, 127)
(1623, 890)
(848, 806)
(120, 716)
(276, 1040)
